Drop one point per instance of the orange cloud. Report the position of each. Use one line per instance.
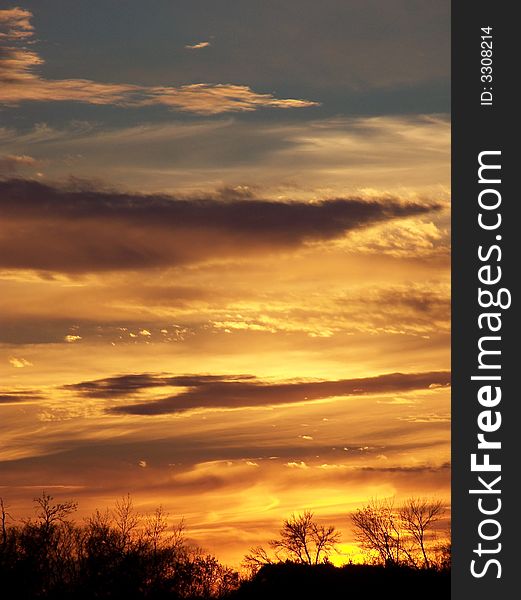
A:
(15, 24)
(13, 162)
(197, 46)
(19, 363)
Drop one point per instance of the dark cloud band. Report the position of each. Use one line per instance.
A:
(52, 229)
(207, 391)
(15, 396)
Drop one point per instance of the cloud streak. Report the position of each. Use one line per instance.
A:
(48, 228)
(20, 83)
(244, 391)
(198, 46)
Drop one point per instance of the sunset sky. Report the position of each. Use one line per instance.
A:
(224, 258)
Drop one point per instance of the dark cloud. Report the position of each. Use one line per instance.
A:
(112, 466)
(123, 385)
(81, 230)
(409, 469)
(412, 308)
(120, 385)
(13, 397)
(427, 301)
(208, 391)
(25, 329)
(28, 329)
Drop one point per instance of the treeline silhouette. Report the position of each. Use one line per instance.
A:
(114, 554)
(122, 554)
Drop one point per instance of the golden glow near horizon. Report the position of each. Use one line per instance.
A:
(235, 318)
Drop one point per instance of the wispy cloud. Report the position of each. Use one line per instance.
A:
(405, 156)
(19, 362)
(15, 24)
(20, 83)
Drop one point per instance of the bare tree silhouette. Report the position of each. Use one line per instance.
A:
(5, 516)
(377, 530)
(301, 539)
(398, 535)
(417, 516)
(50, 513)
